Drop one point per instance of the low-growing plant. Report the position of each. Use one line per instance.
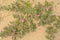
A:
(25, 16)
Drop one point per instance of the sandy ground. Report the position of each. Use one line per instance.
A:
(39, 34)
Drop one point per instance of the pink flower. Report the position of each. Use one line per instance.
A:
(37, 15)
(14, 30)
(23, 20)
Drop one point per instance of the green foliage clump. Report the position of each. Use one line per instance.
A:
(51, 33)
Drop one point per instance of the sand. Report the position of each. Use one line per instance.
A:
(39, 34)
